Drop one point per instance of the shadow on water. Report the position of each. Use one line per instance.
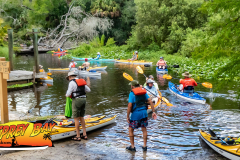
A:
(174, 134)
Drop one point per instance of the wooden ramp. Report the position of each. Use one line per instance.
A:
(19, 75)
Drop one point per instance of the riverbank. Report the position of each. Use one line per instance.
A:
(200, 69)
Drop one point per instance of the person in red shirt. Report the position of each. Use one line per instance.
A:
(161, 63)
(187, 84)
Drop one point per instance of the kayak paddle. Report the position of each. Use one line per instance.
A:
(127, 76)
(139, 69)
(205, 84)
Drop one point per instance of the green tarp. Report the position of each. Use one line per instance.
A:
(68, 107)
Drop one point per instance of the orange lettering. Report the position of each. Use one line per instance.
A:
(24, 127)
(18, 130)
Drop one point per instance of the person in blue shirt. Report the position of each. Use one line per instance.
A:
(137, 105)
(60, 49)
(98, 55)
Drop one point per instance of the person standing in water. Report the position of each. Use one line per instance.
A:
(77, 89)
(137, 105)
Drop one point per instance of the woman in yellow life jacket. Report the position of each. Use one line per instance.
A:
(135, 57)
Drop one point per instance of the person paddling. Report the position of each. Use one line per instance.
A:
(135, 57)
(161, 63)
(187, 84)
(137, 105)
(152, 90)
(77, 89)
(154, 83)
(86, 64)
(72, 64)
(98, 56)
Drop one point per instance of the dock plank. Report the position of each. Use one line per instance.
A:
(19, 75)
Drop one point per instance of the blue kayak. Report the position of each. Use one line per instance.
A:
(195, 97)
(93, 59)
(161, 71)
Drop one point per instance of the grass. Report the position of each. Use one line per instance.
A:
(4, 52)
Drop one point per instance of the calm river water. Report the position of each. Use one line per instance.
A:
(173, 134)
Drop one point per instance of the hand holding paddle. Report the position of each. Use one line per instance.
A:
(205, 84)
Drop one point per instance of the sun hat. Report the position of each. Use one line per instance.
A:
(136, 52)
(72, 60)
(161, 57)
(134, 83)
(71, 74)
(98, 52)
(40, 66)
(150, 81)
(186, 74)
(86, 59)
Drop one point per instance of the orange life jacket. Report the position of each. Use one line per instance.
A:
(73, 65)
(188, 82)
(139, 91)
(161, 63)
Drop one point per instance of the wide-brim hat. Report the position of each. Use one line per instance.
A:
(134, 83)
(71, 74)
(150, 81)
(186, 74)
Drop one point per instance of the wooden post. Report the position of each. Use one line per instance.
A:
(10, 47)
(35, 48)
(4, 75)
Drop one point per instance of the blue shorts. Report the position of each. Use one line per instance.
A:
(138, 123)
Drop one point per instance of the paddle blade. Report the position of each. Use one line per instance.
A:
(212, 133)
(166, 101)
(127, 76)
(167, 76)
(207, 84)
(139, 69)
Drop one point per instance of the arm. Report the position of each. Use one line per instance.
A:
(152, 107)
(87, 89)
(128, 111)
(70, 89)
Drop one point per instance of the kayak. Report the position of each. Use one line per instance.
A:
(47, 79)
(67, 129)
(228, 151)
(161, 71)
(156, 106)
(61, 69)
(92, 59)
(97, 68)
(59, 53)
(133, 62)
(87, 73)
(195, 97)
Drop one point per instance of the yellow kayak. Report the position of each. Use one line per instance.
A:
(47, 79)
(227, 150)
(156, 106)
(133, 62)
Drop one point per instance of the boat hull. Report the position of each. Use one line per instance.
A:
(227, 151)
(91, 59)
(161, 71)
(156, 106)
(133, 62)
(87, 73)
(64, 132)
(97, 68)
(61, 69)
(196, 98)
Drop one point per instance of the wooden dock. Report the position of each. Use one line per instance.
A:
(19, 75)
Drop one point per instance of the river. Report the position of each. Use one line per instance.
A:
(173, 134)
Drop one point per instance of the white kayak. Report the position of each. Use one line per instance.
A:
(61, 69)
(87, 73)
(97, 68)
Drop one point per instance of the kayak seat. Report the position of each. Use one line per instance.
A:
(215, 138)
(188, 89)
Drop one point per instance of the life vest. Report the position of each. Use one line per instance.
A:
(80, 88)
(73, 65)
(41, 70)
(188, 82)
(140, 98)
(161, 63)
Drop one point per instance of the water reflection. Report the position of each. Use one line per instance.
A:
(175, 132)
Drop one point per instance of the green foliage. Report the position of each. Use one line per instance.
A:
(96, 42)
(3, 33)
(20, 85)
(4, 52)
(102, 40)
(164, 22)
(110, 42)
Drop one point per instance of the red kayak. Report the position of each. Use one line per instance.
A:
(59, 53)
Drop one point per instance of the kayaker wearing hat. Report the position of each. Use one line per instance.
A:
(72, 64)
(41, 68)
(152, 90)
(154, 84)
(135, 56)
(77, 89)
(187, 84)
(161, 63)
(98, 56)
(86, 64)
(137, 104)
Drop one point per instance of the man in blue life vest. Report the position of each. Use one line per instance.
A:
(137, 105)
(98, 56)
